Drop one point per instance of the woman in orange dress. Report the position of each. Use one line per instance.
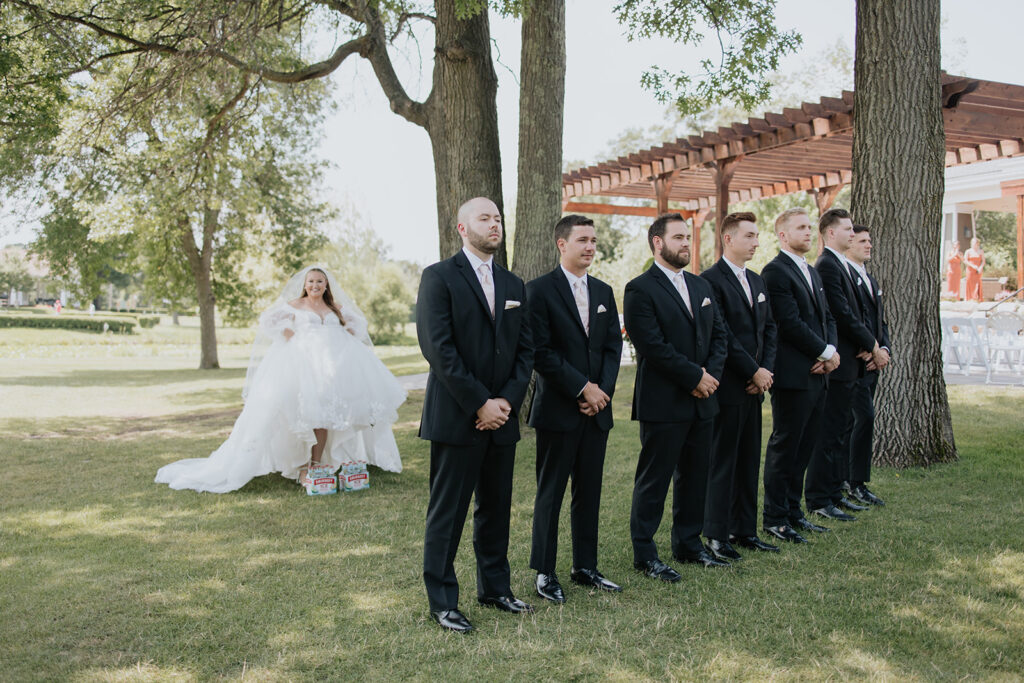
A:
(975, 259)
(953, 270)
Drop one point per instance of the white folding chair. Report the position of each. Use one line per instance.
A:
(958, 343)
(1003, 330)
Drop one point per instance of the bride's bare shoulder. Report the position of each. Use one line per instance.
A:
(297, 303)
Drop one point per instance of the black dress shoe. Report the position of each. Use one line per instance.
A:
(549, 588)
(832, 512)
(704, 558)
(506, 603)
(848, 504)
(753, 543)
(784, 532)
(808, 525)
(453, 620)
(656, 569)
(593, 579)
(723, 551)
(846, 488)
(865, 496)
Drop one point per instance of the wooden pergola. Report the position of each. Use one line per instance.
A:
(806, 149)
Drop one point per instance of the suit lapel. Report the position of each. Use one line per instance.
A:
(500, 285)
(667, 285)
(694, 304)
(593, 303)
(730, 276)
(474, 283)
(565, 291)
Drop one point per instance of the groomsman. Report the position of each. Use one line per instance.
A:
(806, 354)
(730, 512)
(829, 464)
(578, 346)
(473, 330)
(863, 400)
(681, 345)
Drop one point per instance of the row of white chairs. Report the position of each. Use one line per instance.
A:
(992, 340)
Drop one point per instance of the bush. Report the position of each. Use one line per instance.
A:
(63, 322)
(149, 321)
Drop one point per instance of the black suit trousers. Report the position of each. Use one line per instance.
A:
(862, 431)
(578, 453)
(676, 452)
(456, 472)
(731, 505)
(796, 420)
(829, 464)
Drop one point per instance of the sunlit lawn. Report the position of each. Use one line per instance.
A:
(105, 575)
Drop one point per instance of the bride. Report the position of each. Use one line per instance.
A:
(314, 394)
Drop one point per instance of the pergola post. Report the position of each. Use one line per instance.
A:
(722, 172)
(1020, 244)
(698, 222)
(662, 188)
(824, 198)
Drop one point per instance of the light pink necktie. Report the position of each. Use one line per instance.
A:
(680, 282)
(579, 292)
(484, 273)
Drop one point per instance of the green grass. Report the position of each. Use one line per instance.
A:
(107, 576)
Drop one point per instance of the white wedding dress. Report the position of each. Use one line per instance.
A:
(322, 377)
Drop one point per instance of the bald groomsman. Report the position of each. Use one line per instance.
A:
(730, 512)
(806, 354)
(862, 430)
(578, 346)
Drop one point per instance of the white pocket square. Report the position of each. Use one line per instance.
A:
(511, 304)
(859, 281)
(601, 308)
(879, 292)
(760, 297)
(706, 302)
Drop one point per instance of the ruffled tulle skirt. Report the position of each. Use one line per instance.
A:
(319, 379)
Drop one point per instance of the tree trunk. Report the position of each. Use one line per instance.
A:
(898, 149)
(201, 262)
(462, 120)
(541, 109)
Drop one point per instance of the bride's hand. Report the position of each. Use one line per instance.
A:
(288, 334)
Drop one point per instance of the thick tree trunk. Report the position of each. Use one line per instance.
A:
(541, 108)
(201, 262)
(898, 148)
(462, 120)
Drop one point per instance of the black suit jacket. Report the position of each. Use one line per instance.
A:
(874, 311)
(472, 357)
(805, 324)
(672, 346)
(844, 302)
(565, 358)
(750, 329)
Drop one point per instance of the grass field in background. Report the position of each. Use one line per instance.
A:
(107, 576)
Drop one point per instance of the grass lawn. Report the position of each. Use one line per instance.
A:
(107, 576)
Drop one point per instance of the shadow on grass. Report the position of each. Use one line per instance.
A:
(123, 378)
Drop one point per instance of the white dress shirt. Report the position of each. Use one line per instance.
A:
(487, 284)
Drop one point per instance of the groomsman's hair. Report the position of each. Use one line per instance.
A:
(860, 228)
(830, 218)
(657, 228)
(787, 214)
(563, 228)
(731, 222)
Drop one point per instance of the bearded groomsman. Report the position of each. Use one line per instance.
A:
(829, 465)
(805, 355)
(577, 349)
(863, 401)
(681, 345)
(730, 512)
(473, 330)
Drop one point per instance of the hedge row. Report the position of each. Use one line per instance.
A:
(118, 325)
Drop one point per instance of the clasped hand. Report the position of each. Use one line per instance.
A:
(823, 367)
(593, 399)
(876, 359)
(707, 385)
(760, 382)
(493, 414)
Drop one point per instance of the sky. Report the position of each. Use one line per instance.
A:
(382, 166)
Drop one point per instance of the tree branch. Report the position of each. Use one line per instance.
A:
(405, 17)
(377, 54)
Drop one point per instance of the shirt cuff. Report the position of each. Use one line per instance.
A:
(579, 394)
(827, 353)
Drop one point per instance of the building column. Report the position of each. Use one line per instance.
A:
(722, 172)
(698, 222)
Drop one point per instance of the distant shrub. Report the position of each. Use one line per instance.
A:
(63, 322)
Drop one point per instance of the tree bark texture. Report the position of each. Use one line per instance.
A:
(462, 120)
(898, 148)
(541, 114)
(201, 261)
